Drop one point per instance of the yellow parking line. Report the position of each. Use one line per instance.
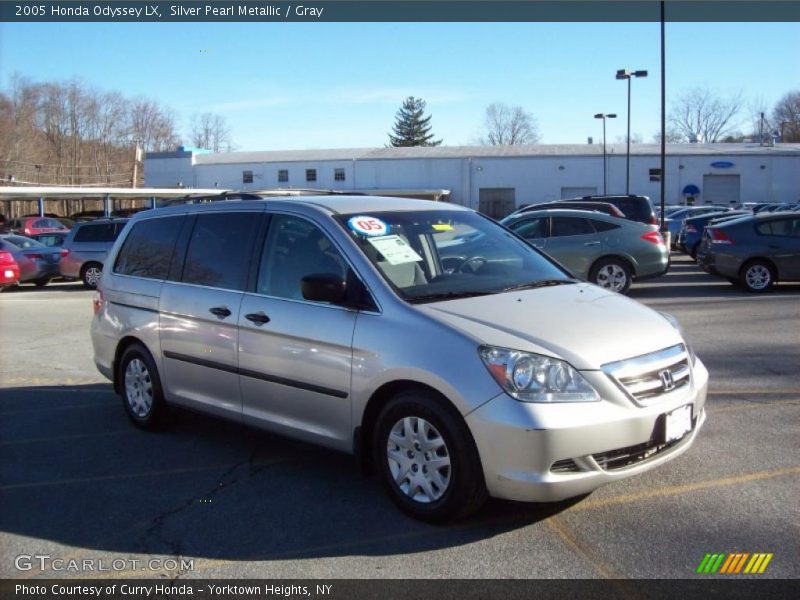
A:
(77, 436)
(563, 533)
(676, 490)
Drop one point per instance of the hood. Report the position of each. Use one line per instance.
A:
(581, 323)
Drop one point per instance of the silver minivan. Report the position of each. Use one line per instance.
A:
(370, 326)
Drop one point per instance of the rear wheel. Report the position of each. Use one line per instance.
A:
(140, 388)
(90, 274)
(427, 459)
(757, 276)
(611, 273)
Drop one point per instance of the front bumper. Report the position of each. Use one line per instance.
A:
(524, 446)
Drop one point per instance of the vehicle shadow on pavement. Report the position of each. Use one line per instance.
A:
(58, 286)
(75, 471)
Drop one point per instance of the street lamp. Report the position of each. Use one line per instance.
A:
(626, 74)
(604, 117)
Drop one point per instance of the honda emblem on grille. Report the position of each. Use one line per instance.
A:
(666, 380)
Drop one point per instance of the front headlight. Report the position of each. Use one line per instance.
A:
(674, 322)
(534, 378)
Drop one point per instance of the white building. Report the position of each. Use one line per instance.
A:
(495, 179)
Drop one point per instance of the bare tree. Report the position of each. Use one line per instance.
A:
(152, 126)
(786, 117)
(505, 125)
(211, 132)
(636, 138)
(673, 137)
(702, 115)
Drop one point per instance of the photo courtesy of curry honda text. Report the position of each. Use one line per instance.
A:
(377, 326)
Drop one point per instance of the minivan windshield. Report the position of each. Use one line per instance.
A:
(431, 255)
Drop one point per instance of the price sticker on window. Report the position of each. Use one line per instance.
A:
(369, 226)
(395, 249)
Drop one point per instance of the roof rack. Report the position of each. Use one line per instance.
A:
(234, 195)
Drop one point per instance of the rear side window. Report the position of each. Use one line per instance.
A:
(564, 226)
(147, 250)
(601, 226)
(782, 227)
(219, 252)
(100, 232)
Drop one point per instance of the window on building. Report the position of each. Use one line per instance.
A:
(311, 174)
(283, 175)
(655, 174)
(247, 177)
(338, 174)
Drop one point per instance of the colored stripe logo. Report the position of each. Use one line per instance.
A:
(735, 563)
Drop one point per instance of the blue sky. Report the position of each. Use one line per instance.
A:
(332, 85)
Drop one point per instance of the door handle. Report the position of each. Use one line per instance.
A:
(592, 244)
(220, 311)
(258, 318)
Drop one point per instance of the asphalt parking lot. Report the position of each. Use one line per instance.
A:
(78, 482)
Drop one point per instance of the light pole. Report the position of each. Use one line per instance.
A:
(626, 74)
(604, 116)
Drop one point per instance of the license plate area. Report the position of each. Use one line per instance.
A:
(676, 424)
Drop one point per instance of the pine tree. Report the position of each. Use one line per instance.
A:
(411, 128)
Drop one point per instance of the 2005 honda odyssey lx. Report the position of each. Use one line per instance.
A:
(359, 323)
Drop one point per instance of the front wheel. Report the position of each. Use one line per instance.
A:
(756, 276)
(427, 459)
(140, 388)
(611, 273)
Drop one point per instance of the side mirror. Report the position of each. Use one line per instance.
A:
(324, 287)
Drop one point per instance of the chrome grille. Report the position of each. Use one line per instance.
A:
(648, 377)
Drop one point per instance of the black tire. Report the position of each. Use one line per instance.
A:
(90, 274)
(41, 282)
(757, 276)
(155, 417)
(465, 490)
(612, 273)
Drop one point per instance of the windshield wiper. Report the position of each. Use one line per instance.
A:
(538, 284)
(446, 296)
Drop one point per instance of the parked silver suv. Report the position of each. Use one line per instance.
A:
(86, 247)
(362, 324)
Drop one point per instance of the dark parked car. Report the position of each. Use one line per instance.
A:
(603, 207)
(85, 249)
(635, 208)
(675, 221)
(692, 231)
(38, 264)
(753, 252)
